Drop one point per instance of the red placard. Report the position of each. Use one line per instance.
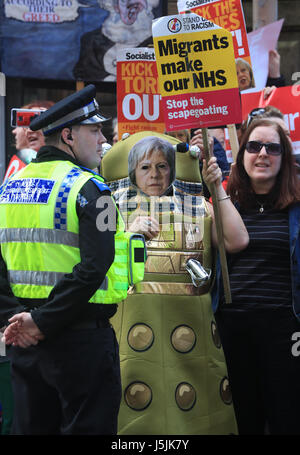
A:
(201, 109)
(227, 14)
(14, 166)
(138, 98)
(287, 100)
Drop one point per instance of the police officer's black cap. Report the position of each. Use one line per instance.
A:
(80, 108)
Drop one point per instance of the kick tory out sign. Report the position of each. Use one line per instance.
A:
(196, 72)
(138, 97)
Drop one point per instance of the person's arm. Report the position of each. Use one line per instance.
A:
(9, 304)
(68, 300)
(274, 76)
(220, 154)
(197, 139)
(22, 331)
(146, 225)
(9, 308)
(236, 237)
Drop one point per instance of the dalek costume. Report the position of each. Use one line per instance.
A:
(174, 377)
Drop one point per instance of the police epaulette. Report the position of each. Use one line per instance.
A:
(102, 186)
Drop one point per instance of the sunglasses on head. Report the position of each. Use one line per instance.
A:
(271, 147)
(254, 113)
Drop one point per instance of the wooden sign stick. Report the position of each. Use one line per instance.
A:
(234, 142)
(218, 222)
(79, 85)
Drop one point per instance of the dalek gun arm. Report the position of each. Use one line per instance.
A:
(199, 275)
(193, 150)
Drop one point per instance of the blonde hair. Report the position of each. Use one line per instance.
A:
(244, 63)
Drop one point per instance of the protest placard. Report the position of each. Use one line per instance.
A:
(14, 166)
(284, 99)
(196, 72)
(227, 14)
(261, 41)
(138, 98)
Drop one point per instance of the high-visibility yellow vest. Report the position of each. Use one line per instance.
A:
(39, 233)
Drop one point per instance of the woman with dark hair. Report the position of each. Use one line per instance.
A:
(259, 330)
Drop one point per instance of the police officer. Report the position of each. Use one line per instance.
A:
(55, 258)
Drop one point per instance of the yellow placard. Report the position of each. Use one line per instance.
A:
(200, 61)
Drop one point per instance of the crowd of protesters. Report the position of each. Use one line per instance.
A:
(258, 327)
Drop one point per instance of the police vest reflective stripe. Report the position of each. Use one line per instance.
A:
(39, 278)
(38, 235)
(39, 232)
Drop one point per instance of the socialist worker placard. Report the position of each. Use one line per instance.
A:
(138, 97)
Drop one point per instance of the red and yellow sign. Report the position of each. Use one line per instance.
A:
(138, 98)
(227, 14)
(196, 71)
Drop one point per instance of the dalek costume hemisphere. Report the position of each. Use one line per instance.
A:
(174, 377)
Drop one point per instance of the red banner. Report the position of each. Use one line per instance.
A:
(202, 109)
(287, 100)
(14, 166)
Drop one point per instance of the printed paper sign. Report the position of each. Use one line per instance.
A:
(261, 41)
(286, 99)
(196, 72)
(139, 101)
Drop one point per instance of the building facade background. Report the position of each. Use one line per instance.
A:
(20, 91)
